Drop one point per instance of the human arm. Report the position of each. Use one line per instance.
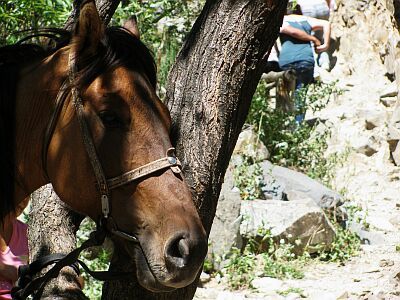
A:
(325, 26)
(9, 272)
(299, 34)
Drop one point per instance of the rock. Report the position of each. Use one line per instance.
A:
(390, 90)
(225, 295)
(225, 229)
(365, 145)
(393, 136)
(204, 278)
(386, 263)
(300, 220)
(267, 284)
(249, 144)
(381, 224)
(366, 237)
(373, 117)
(283, 182)
(388, 101)
(396, 155)
(343, 296)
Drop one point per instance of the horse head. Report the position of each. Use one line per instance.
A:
(111, 76)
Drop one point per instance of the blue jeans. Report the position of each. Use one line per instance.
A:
(304, 76)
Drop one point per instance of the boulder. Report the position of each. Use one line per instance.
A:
(248, 144)
(225, 229)
(285, 184)
(301, 220)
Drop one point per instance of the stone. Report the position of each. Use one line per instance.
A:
(367, 237)
(396, 155)
(300, 220)
(381, 224)
(225, 295)
(388, 101)
(386, 263)
(393, 136)
(286, 184)
(204, 278)
(391, 90)
(373, 117)
(249, 144)
(267, 284)
(225, 229)
(365, 145)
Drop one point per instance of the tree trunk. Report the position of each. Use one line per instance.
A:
(52, 228)
(106, 9)
(209, 93)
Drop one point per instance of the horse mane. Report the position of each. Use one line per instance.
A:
(118, 47)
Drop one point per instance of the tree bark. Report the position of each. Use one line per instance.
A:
(52, 228)
(209, 94)
(106, 9)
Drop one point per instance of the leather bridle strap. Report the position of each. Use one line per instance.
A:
(170, 161)
(88, 142)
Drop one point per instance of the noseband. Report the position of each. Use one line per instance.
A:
(104, 185)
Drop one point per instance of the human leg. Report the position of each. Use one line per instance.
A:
(305, 76)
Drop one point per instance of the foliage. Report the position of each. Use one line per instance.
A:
(345, 246)
(22, 15)
(164, 25)
(262, 256)
(299, 146)
(96, 258)
(248, 176)
(240, 269)
(292, 290)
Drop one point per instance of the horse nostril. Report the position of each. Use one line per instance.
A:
(177, 252)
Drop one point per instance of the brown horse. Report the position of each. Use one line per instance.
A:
(107, 79)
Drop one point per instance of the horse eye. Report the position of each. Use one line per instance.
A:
(110, 119)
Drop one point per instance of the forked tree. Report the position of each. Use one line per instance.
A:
(209, 92)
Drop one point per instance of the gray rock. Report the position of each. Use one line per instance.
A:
(285, 184)
(366, 237)
(249, 144)
(300, 220)
(225, 229)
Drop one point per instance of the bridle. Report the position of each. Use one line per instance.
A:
(104, 186)
(26, 284)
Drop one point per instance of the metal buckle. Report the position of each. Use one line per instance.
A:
(105, 206)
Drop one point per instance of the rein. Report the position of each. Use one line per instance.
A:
(26, 285)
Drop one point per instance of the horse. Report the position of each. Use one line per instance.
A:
(78, 114)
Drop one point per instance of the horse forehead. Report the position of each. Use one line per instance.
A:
(130, 85)
(119, 80)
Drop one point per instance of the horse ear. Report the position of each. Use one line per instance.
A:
(132, 26)
(88, 30)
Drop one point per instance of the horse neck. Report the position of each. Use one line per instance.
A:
(36, 92)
